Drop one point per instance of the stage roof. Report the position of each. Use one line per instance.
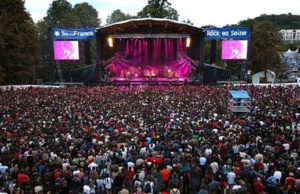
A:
(150, 25)
(239, 94)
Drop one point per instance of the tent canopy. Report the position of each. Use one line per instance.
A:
(239, 94)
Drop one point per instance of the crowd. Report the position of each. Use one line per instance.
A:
(149, 139)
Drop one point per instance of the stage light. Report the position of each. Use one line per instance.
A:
(110, 41)
(188, 42)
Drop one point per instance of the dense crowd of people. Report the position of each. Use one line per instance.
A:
(149, 139)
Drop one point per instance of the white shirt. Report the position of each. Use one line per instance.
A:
(75, 172)
(231, 178)
(214, 167)
(91, 165)
(3, 168)
(142, 175)
(130, 164)
(202, 160)
(266, 167)
(64, 166)
(100, 184)
(208, 151)
(108, 182)
(139, 162)
(142, 150)
(38, 189)
(86, 189)
(278, 175)
(53, 155)
(259, 156)
(286, 146)
(151, 185)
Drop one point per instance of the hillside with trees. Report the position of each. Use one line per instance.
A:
(282, 21)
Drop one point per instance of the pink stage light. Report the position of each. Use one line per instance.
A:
(152, 56)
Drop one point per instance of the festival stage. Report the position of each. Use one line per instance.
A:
(150, 81)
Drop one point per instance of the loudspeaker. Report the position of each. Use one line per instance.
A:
(213, 48)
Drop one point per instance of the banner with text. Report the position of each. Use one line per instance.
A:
(240, 33)
(73, 33)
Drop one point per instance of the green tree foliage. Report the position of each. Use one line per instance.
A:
(87, 15)
(46, 66)
(2, 46)
(159, 9)
(282, 21)
(117, 16)
(264, 45)
(61, 14)
(18, 43)
(57, 11)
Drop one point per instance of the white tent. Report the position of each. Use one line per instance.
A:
(290, 53)
(271, 76)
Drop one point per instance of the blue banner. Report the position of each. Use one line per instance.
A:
(240, 33)
(73, 33)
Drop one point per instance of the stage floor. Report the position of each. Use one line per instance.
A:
(145, 80)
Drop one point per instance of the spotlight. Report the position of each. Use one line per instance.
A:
(110, 41)
(188, 42)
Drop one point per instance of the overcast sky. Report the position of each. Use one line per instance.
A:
(211, 12)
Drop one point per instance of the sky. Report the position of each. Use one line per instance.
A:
(201, 13)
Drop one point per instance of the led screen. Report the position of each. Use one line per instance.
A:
(66, 50)
(234, 49)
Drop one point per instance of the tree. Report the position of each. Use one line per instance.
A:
(62, 14)
(282, 21)
(87, 15)
(18, 43)
(2, 45)
(264, 46)
(57, 11)
(117, 16)
(159, 9)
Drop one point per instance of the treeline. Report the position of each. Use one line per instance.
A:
(282, 21)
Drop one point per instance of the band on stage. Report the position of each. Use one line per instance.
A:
(149, 72)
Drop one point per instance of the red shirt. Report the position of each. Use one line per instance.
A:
(290, 181)
(22, 178)
(130, 174)
(149, 159)
(157, 161)
(258, 165)
(56, 174)
(258, 187)
(165, 174)
(17, 155)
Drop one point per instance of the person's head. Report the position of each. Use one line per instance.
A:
(258, 179)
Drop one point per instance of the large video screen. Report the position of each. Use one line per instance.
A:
(234, 49)
(66, 50)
